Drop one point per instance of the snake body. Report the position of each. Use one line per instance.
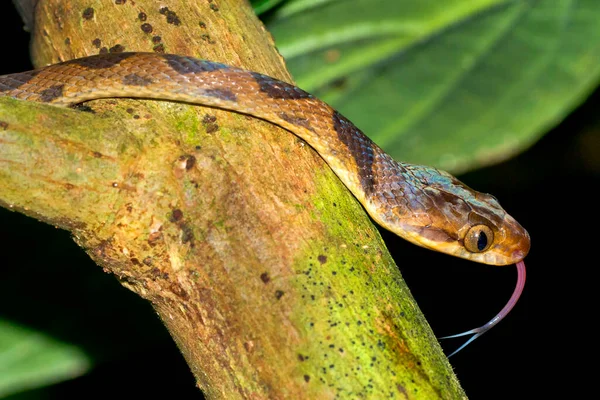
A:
(426, 206)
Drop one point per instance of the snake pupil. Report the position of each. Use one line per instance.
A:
(482, 241)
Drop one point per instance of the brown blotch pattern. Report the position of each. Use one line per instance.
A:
(322, 259)
(15, 81)
(223, 94)
(142, 16)
(3, 125)
(119, 2)
(279, 294)
(298, 121)
(276, 89)
(187, 65)
(136, 80)
(106, 62)
(159, 48)
(359, 146)
(51, 93)
(97, 43)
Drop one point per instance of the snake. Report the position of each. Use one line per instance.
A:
(424, 205)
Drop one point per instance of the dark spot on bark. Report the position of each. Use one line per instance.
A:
(322, 259)
(202, 25)
(103, 50)
(207, 39)
(154, 238)
(67, 41)
(402, 390)
(211, 128)
(298, 121)
(97, 43)
(359, 146)
(136, 80)
(214, 7)
(146, 28)
(279, 294)
(117, 49)
(159, 48)
(83, 108)
(147, 261)
(223, 94)
(190, 162)
(69, 186)
(209, 119)
(119, 2)
(156, 39)
(187, 65)
(88, 13)
(97, 154)
(172, 17)
(157, 274)
(130, 110)
(176, 215)
(187, 234)
(265, 277)
(51, 93)
(3, 125)
(135, 261)
(277, 89)
(301, 357)
(306, 378)
(142, 16)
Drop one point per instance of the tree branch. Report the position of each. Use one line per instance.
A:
(266, 271)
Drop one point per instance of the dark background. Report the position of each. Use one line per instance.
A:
(48, 283)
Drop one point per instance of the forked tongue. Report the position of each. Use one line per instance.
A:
(511, 303)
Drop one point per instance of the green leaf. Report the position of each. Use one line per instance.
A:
(456, 83)
(261, 6)
(30, 359)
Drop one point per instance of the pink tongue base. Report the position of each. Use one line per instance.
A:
(511, 303)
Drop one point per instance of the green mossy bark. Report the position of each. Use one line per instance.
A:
(266, 271)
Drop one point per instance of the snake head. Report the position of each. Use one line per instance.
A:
(439, 212)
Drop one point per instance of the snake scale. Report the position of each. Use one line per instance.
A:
(423, 205)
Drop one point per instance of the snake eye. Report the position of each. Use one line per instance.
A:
(479, 238)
